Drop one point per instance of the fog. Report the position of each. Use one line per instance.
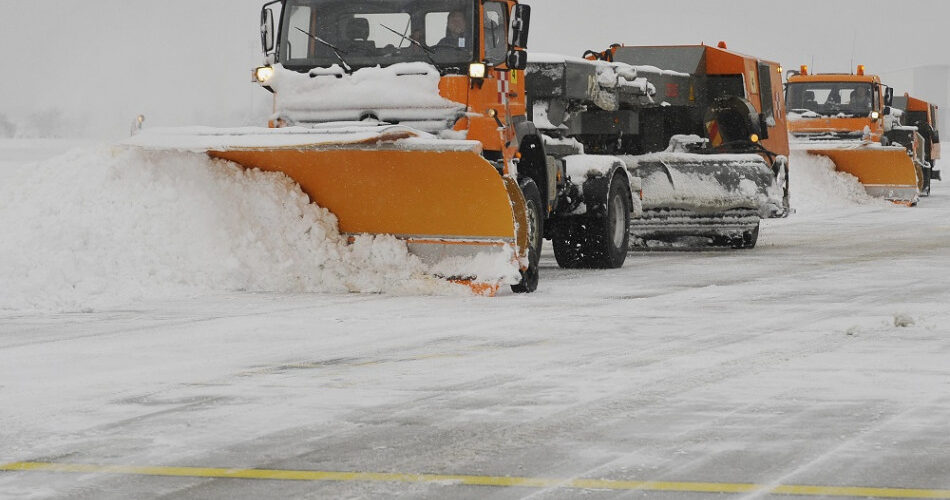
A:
(87, 68)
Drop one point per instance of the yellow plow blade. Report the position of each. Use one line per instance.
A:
(444, 204)
(453, 208)
(887, 173)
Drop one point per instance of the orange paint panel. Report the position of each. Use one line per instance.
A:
(722, 62)
(834, 78)
(819, 125)
(454, 88)
(914, 104)
(778, 135)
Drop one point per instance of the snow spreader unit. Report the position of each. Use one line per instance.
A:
(706, 135)
(849, 119)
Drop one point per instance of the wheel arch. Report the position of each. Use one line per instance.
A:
(533, 164)
(596, 189)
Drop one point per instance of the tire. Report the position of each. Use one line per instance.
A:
(532, 275)
(570, 243)
(597, 242)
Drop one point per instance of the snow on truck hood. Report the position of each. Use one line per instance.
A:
(406, 93)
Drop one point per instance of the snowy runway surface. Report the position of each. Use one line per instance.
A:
(820, 358)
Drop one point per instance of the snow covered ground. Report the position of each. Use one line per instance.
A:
(818, 358)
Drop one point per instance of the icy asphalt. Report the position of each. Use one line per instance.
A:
(820, 358)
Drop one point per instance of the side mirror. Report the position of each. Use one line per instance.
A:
(267, 30)
(520, 22)
(517, 59)
(889, 96)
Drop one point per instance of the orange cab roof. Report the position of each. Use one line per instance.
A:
(834, 77)
(712, 48)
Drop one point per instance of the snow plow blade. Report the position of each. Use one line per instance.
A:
(885, 172)
(451, 206)
(692, 200)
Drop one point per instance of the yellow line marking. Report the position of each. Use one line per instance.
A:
(523, 482)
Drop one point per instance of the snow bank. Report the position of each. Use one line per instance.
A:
(111, 226)
(816, 186)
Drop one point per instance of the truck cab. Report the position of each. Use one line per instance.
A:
(837, 106)
(476, 46)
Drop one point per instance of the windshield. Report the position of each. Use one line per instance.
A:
(833, 99)
(376, 32)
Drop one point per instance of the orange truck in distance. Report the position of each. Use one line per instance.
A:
(849, 118)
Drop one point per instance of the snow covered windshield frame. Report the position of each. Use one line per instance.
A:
(367, 33)
(831, 99)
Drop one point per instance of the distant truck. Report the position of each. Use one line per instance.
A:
(850, 118)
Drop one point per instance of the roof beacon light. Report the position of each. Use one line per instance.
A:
(804, 70)
(860, 70)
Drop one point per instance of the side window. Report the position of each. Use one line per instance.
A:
(765, 90)
(296, 42)
(495, 32)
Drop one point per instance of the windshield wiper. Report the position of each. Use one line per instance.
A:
(336, 50)
(428, 50)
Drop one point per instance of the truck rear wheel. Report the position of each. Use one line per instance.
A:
(597, 242)
(531, 276)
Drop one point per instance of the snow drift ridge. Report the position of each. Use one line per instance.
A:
(114, 225)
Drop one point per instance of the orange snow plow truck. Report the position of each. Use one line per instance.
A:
(849, 118)
(408, 118)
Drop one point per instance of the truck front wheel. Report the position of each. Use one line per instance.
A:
(531, 276)
(599, 242)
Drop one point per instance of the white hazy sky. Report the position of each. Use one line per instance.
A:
(97, 63)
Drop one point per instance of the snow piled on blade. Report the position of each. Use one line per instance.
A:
(107, 227)
(817, 186)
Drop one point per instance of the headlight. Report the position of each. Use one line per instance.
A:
(263, 74)
(754, 138)
(477, 70)
(875, 115)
